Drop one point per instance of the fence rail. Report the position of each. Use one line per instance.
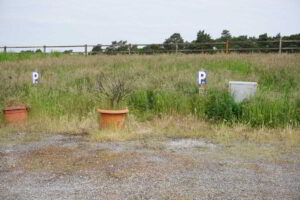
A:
(205, 47)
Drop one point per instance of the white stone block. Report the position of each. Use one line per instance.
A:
(241, 90)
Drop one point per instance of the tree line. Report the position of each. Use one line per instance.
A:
(205, 43)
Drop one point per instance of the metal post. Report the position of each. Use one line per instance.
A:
(44, 49)
(4, 49)
(280, 45)
(85, 50)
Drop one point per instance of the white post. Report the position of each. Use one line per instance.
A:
(201, 81)
(280, 45)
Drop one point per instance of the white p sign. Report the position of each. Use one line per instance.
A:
(35, 77)
(202, 77)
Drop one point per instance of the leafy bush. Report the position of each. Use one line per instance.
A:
(220, 105)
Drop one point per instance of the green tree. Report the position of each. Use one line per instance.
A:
(244, 42)
(202, 37)
(278, 36)
(172, 41)
(175, 38)
(68, 51)
(97, 49)
(225, 35)
(263, 37)
(121, 47)
(38, 51)
(152, 48)
(117, 46)
(262, 42)
(292, 44)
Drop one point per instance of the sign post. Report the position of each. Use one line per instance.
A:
(201, 80)
(35, 77)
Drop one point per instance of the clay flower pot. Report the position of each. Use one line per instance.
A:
(112, 118)
(16, 114)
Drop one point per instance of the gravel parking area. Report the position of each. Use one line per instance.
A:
(68, 167)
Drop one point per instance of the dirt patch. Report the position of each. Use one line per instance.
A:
(68, 167)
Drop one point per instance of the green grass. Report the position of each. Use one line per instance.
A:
(163, 85)
(282, 80)
(4, 57)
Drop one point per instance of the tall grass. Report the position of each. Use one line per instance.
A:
(261, 111)
(219, 106)
(163, 85)
(26, 56)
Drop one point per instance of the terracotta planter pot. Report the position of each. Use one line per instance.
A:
(112, 118)
(16, 114)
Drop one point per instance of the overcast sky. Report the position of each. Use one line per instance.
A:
(71, 22)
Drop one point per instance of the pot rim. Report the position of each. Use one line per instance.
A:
(113, 111)
(15, 108)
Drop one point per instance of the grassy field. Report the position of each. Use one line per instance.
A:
(163, 98)
(5, 57)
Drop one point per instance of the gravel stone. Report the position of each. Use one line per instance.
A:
(169, 169)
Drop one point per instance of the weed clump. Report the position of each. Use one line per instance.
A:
(220, 106)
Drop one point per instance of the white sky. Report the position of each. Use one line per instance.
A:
(70, 22)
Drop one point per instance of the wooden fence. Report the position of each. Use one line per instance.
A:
(209, 47)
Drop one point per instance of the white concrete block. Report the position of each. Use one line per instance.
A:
(241, 90)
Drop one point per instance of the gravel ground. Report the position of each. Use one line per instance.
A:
(67, 167)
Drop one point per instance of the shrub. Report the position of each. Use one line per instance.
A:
(113, 89)
(220, 106)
